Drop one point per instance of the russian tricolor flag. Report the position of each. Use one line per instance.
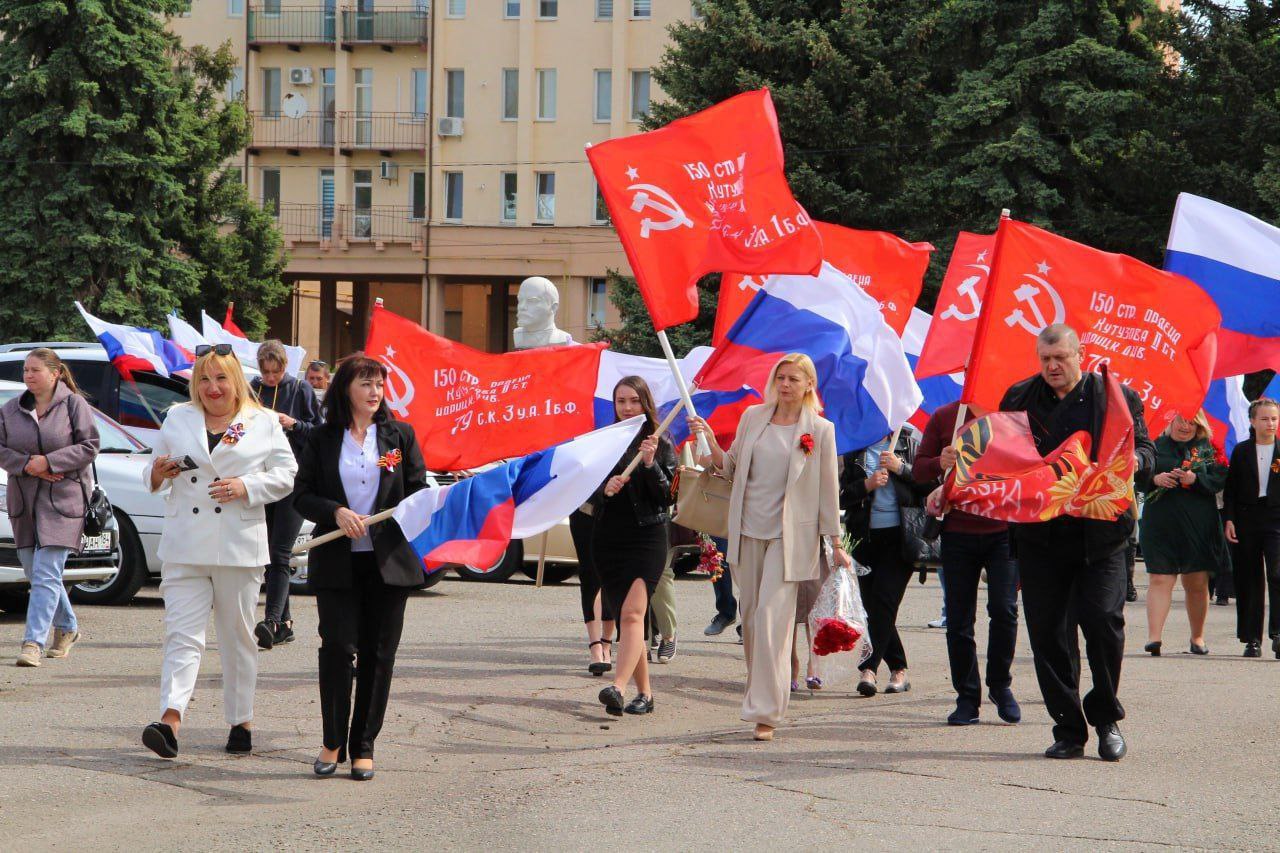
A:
(473, 520)
(721, 409)
(1228, 410)
(1235, 257)
(864, 380)
(133, 348)
(937, 390)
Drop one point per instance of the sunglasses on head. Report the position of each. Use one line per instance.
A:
(216, 349)
(317, 365)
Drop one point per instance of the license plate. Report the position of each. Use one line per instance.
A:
(101, 542)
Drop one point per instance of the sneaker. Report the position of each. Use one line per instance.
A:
(717, 626)
(62, 643)
(265, 633)
(283, 633)
(655, 640)
(938, 623)
(30, 655)
(666, 649)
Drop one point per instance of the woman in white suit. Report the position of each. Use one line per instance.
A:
(220, 459)
(784, 504)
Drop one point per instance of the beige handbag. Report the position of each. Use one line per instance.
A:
(702, 500)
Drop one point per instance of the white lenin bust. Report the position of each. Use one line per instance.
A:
(536, 308)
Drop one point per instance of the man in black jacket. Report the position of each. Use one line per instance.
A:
(1073, 569)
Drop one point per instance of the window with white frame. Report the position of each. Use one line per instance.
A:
(235, 8)
(271, 191)
(600, 213)
(418, 195)
(453, 196)
(510, 94)
(421, 91)
(455, 102)
(235, 86)
(548, 8)
(546, 197)
(456, 9)
(512, 9)
(604, 10)
(509, 187)
(597, 302)
(271, 8)
(642, 8)
(271, 92)
(546, 94)
(639, 95)
(604, 95)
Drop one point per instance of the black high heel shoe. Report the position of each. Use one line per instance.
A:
(361, 775)
(599, 668)
(1153, 648)
(328, 768)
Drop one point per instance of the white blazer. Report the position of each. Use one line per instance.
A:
(198, 529)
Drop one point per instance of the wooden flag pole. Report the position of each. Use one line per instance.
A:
(542, 558)
(338, 534)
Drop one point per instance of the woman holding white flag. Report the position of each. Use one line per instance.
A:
(783, 510)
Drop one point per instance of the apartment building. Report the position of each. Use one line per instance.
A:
(431, 153)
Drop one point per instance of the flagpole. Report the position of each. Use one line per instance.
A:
(542, 558)
(662, 427)
(338, 534)
(703, 448)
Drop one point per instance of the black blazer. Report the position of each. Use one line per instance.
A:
(318, 493)
(1241, 490)
(855, 500)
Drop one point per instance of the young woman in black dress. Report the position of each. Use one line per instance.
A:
(629, 541)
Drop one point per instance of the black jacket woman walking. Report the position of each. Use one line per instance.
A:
(1251, 503)
(360, 462)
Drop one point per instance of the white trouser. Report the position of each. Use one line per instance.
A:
(189, 592)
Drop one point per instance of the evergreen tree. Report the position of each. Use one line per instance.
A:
(634, 334)
(110, 145)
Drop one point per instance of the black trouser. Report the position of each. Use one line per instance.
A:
(1256, 562)
(580, 527)
(1065, 588)
(964, 555)
(359, 634)
(882, 592)
(283, 524)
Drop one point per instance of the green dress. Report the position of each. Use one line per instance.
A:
(1181, 530)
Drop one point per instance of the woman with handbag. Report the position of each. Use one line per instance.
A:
(875, 487)
(629, 541)
(48, 442)
(220, 459)
(361, 461)
(782, 507)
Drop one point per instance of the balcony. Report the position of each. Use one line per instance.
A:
(271, 23)
(361, 131)
(343, 224)
(397, 25)
(276, 130)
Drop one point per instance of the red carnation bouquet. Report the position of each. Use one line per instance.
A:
(838, 626)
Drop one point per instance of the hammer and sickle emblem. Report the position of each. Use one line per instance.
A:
(1027, 293)
(398, 399)
(968, 289)
(647, 196)
(749, 283)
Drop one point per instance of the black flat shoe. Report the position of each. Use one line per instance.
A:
(640, 705)
(361, 775)
(1253, 650)
(283, 634)
(612, 700)
(1111, 745)
(1153, 648)
(1199, 650)
(1065, 749)
(239, 740)
(328, 768)
(963, 715)
(160, 739)
(265, 635)
(1006, 705)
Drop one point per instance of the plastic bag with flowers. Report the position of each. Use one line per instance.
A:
(838, 628)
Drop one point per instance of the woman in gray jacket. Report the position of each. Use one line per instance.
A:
(48, 440)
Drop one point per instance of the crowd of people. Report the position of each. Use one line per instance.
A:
(242, 464)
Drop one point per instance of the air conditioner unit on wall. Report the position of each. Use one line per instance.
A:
(389, 170)
(300, 76)
(449, 127)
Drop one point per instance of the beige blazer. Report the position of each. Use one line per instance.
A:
(811, 505)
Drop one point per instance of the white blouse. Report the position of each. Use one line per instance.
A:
(1265, 452)
(358, 469)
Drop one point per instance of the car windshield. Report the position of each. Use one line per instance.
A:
(111, 438)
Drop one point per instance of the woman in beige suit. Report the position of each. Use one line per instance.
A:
(784, 503)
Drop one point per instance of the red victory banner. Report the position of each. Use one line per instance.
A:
(888, 268)
(950, 339)
(999, 473)
(470, 407)
(707, 193)
(1155, 330)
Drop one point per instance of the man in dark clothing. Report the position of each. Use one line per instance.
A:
(971, 543)
(1073, 569)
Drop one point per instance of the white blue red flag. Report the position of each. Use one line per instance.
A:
(472, 521)
(247, 350)
(937, 390)
(864, 380)
(1235, 257)
(1228, 410)
(721, 409)
(133, 348)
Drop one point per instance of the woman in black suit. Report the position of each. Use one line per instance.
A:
(1251, 504)
(361, 461)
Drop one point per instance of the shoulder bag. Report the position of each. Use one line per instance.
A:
(702, 500)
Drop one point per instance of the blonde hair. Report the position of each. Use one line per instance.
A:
(802, 361)
(229, 364)
(1204, 430)
(273, 350)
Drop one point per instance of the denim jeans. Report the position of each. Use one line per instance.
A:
(48, 606)
(726, 604)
